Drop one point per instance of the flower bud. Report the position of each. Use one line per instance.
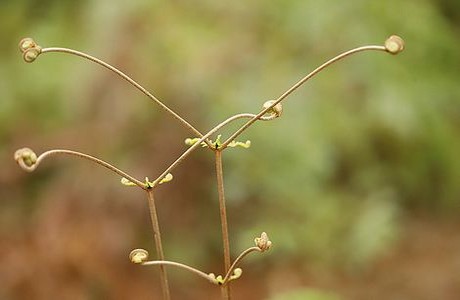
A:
(263, 242)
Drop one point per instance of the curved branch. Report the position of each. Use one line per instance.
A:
(180, 265)
(237, 261)
(32, 166)
(128, 79)
(298, 84)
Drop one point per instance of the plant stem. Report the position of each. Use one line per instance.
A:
(237, 261)
(128, 79)
(298, 84)
(180, 265)
(226, 293)
(158, 244)
(96, 160)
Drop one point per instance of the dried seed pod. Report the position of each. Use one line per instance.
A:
(394, 44)
(138, 256)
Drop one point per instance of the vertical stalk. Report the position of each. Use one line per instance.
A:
(158, 244)
(223, 219)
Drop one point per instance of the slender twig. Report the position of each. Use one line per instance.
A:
(128, 79)
(158, 244)
(237, 261)
(44, 155)
(226, 293)
(297, 85)
(180, 265)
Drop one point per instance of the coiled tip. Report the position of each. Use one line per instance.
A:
(30, 49)
(275, 111)
(138, 256)
(26, 158)
(26, 43)
(394, 44)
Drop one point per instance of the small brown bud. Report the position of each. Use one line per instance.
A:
(394, 44)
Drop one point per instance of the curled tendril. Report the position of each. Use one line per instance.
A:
(26, 158)
(274, 110)
(26, 43)
(236, 274)
(30, 49)
(394, 44)
(263, 242)
(139, 256)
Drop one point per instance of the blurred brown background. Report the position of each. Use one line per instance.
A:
(357, 184)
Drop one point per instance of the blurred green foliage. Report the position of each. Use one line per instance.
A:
(365, 143)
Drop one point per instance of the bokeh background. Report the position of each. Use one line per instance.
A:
(357, 184)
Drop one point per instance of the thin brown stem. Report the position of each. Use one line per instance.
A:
(44, 155)
(183, 266)
(128, 79)
(226, 293)
(297, 85)
(237, 261)
(158, 244)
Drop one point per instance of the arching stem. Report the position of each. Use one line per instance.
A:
(237, 261)
(297, 85)
(98, 161)
(182, 266)
(128, 79)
